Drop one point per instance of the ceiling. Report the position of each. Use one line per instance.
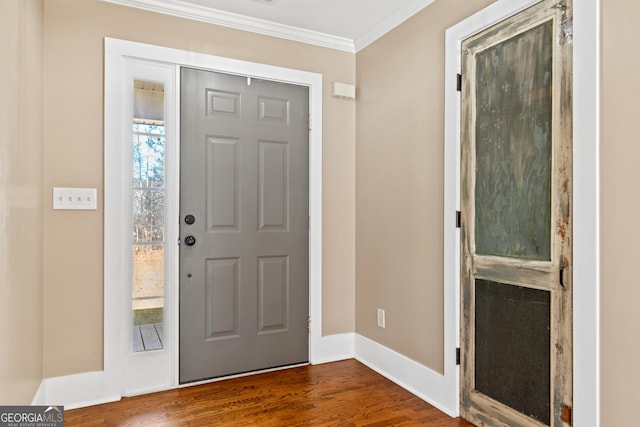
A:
(348, 25)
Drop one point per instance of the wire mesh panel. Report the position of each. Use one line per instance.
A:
(512, 337)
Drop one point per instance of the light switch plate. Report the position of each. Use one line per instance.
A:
(75, 198)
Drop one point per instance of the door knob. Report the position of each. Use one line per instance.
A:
(189, 219)
(189, 240)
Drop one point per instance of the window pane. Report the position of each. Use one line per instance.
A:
(148, 297)
(513, 146)
(148, 149)
(148, 216)
(148, 160)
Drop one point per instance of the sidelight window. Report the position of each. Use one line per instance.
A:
(148, 145)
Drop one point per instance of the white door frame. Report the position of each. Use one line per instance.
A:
(586, 77)
(119, 57)
(146, 371)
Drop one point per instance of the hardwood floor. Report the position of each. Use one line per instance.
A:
(343, 394)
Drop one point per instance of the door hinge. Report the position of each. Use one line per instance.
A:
(457, 356)
(561, 276)
(458, 219)
(309, 324)
(567, 414)
(459, 82)
(309, 122)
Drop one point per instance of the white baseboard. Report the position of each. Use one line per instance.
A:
(425, 383)
(77, 391)
(332, 348)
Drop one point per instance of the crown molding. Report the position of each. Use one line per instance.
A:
(233, 20)
(390, 22)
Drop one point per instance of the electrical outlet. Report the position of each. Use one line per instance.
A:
(380, 318)
(75, 198)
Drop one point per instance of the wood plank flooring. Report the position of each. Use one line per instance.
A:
(343, 394)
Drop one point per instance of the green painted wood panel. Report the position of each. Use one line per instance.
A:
(513, 146)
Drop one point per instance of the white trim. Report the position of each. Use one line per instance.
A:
(78, 391)
(396, 18)
(425, 383)
(150, 370)
(274, 29)
(240, 22)
(333, 348)
(586, 218)
(586, 118)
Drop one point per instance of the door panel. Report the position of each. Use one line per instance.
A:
(273, 166)
(516, 220)
(513, 145)
(223, 168)
(222, 283)
(512, 336)
(273, 288)
(244, 177)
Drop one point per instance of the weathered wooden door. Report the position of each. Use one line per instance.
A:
(516, 179)
(244, 209)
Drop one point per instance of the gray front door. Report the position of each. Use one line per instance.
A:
(516, 165)
(244, 253)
